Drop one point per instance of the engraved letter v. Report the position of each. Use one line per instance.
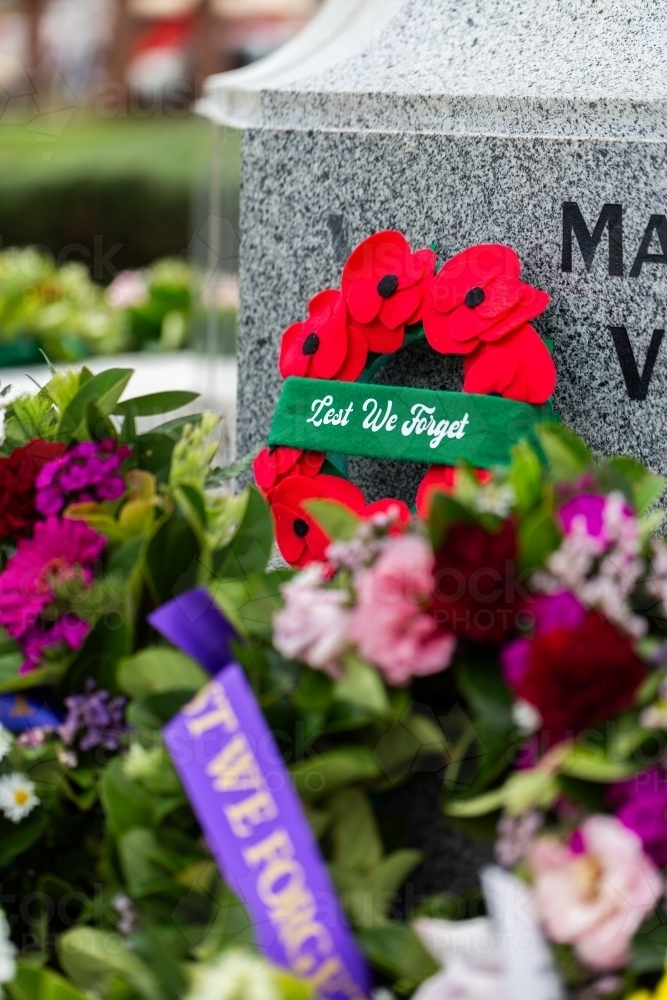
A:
(637, 387)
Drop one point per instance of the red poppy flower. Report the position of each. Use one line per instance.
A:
(519, 367)
(477, 296)
(300, 538)
(443, 479)
(323, 346)
(385, 285)
(398, 510)
(17, 485)
(272, 465)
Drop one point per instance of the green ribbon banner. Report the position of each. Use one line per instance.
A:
(409, 425)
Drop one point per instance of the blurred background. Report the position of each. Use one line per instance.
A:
(118, 204)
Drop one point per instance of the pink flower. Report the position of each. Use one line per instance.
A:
(595, 893)
(69, 631)
(59, 551)
(313, 625)
(390, 624)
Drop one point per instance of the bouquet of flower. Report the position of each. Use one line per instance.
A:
(107, 883)
(541, 595)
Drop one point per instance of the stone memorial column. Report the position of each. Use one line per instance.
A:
(537, 123)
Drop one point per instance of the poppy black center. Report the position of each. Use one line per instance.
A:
(388, 286)
(311, 344)
(474, 298)
(301, 527)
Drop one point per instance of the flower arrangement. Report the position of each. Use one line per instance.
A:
(509, 641)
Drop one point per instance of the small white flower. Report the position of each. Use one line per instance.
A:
(5, 742)
(234, 976)
(526, 717)
(17, 796)
(494, 499)
(7, 952)
(67, 758)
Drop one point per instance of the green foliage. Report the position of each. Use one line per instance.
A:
(159, 669)
(396, 950)
(339, 522)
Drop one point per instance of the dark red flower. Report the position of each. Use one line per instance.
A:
(399, 511)
(300, 538)
(324, 345)
(272, 465)
(18, 473)
(385, 285)
(443, 479)
(477, 296)
(476, 593)
(575, 677)
(519, 367)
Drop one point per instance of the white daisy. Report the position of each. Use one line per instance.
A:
(6, 741)
(17, 796)
(234, 976)
(7, 952)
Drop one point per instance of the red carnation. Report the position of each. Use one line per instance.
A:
(17, 486)
(476, 593)
(300, 538)
(519, 367)
(443, 479)
(272, 465)
(478, 297)
(578, 677)
(323, 346)
(385, 285)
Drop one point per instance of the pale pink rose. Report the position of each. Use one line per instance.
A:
(313, 625)
(390, 624)
(595, 893)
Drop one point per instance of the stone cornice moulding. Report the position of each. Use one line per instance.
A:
(561, 68)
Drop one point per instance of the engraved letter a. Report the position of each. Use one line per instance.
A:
(574, 223)
(637, 387)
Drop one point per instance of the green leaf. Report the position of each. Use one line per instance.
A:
(251, 604)
(336, 520)
(126, 804)
(412, 735)
(649, 946)
(225, 474)
(250, 549)
(538, 537)
(590, 762)
(479, 806)
(172, 557)
(647, 488)
(17, 838)
(566, 453)
(44, 984)
(139, 852)
(396, 950)
(159, 669)
(156, 402)
(390, 875)
(104, 390)
(333, 770)
(153, 453)
(90, 956)
(356, 842)
(526, 476)
(362, 686)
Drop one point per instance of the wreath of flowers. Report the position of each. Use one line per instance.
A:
(476, 306)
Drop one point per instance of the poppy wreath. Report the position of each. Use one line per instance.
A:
(476, 305)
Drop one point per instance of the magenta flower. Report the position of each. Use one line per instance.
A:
(641, 806)
(59, 552)
(600, 516)
(68, 631)
(88, 472)
(391, 624)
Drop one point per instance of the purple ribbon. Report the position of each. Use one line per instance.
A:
(252, 818)
(19, 713)
(195, 624)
